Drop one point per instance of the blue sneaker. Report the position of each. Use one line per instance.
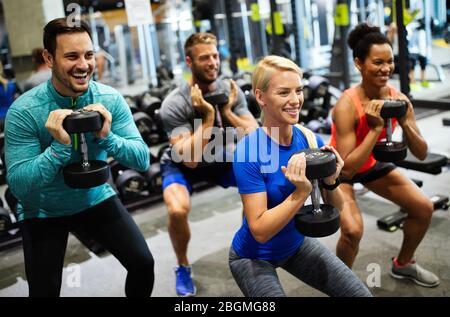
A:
(184, 285)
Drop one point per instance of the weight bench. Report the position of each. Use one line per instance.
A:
(432, 164)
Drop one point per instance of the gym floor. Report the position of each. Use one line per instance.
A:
(216, 215)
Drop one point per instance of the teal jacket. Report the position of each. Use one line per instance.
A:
(35, 160)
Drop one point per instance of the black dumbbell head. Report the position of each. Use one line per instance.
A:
(78, 176)
(252, 104)
(319, 164)
(131, 101)
(115, 168)
(389, 151)
(83, 121)
(153, 178)
(162, 150)
(320, 224)
(129, 184)
(216, 98)
(150, 104)
(244, 84)
(393, 109)
(11, 200)
(146, 127)
(5, 221)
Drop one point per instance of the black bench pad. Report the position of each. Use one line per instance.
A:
(432, 164)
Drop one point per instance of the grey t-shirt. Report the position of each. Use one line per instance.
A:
(37, 79)
(176, 109)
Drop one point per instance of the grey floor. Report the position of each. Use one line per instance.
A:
(216, 215)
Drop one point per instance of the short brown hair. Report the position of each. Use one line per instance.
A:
(198, 38)
(60, 26)
(36, 55)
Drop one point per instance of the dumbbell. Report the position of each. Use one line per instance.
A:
(149, 104)
(252, 104)
(2, 159)
(217, 100)
(146, 127)
(5, 218)
(84, 174)
(162, 150)
(318, 220)
(5, 221)
(153, 178)
(390, 151)
(128, 182)
(11, 201)
(131, 102)
(160, 126)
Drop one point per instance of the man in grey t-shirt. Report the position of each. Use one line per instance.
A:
(188, 119)
(41, 73)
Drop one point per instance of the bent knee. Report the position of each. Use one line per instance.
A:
(422, 210)
(141, 261)
(178, 211)
(352, 234)
(177, 205)
(147, 263)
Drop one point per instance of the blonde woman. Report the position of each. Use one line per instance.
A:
(273, 191)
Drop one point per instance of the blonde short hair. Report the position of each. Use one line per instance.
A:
(198, 38)
(268, 66)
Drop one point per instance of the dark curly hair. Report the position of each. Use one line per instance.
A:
(362, 37)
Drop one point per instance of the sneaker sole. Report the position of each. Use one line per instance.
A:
(402, 277)
(188, 294)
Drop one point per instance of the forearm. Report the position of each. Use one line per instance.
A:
(130, 151)
(356, 158)
(416, 143)
(334, 198)
(273, 220)
(29, 175)
(190, 150)
(245, 123)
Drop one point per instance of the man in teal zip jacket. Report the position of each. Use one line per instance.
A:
(37, 149)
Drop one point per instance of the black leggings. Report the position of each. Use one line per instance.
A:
(109, 223)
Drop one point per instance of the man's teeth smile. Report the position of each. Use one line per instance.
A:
(80, 76)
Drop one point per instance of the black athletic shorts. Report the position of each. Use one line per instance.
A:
(380, 169)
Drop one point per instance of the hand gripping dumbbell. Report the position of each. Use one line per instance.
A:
(84, 174)
(318, 220)
(217, 100)
(390, 151)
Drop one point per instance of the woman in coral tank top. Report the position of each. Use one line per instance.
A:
(357, 127)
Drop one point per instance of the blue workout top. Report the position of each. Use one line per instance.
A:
(6, 97)
(257, 168)
(35, 160)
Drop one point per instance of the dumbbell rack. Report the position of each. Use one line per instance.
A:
(10, 241)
